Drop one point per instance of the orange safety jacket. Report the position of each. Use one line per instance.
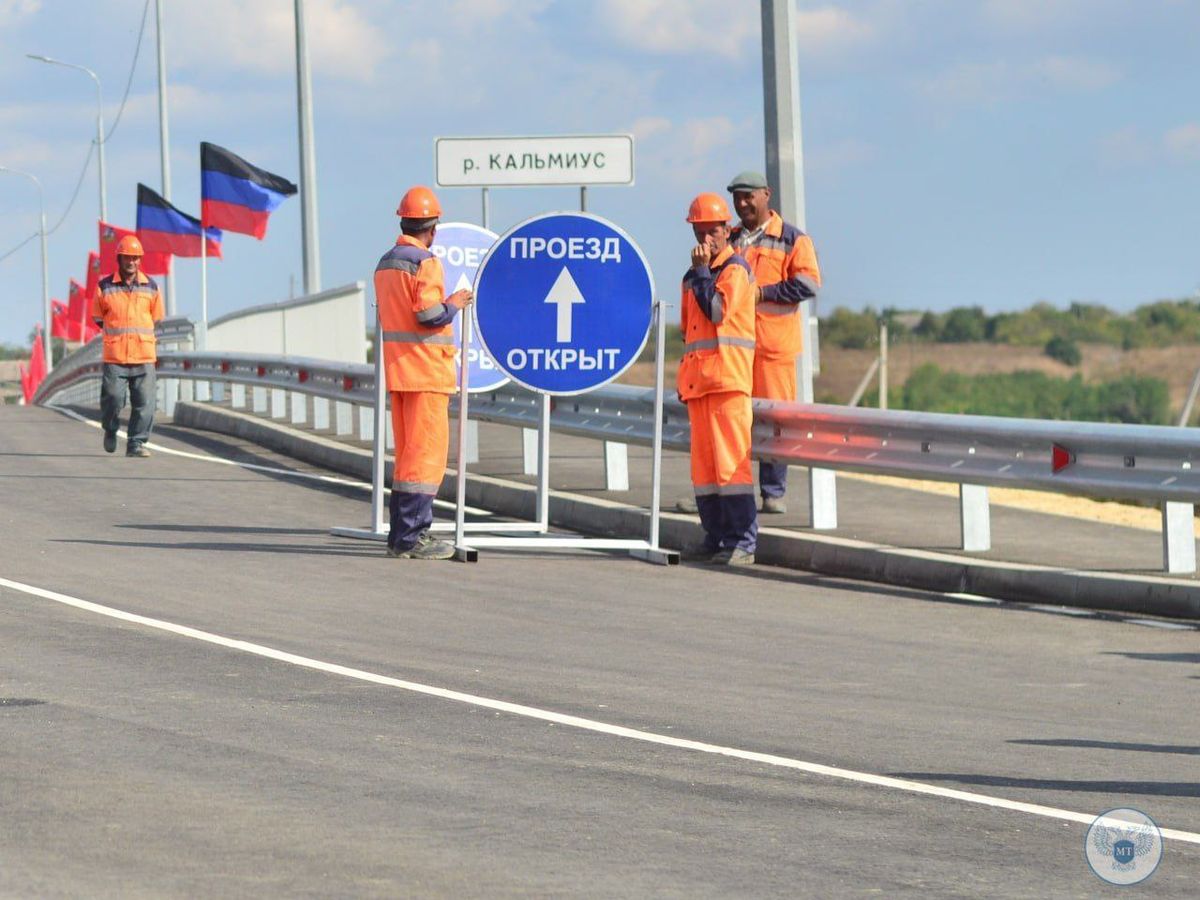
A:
(127, 313)
(418, 339)
(717, 319)
(784, 263)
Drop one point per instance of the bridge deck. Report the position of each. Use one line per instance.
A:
(142, 758)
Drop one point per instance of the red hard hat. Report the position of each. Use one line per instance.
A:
(708, 208)
(130, 246)
(419, 203)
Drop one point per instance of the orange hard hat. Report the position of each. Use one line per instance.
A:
(130, 246)
(708, 208)
(419, 203)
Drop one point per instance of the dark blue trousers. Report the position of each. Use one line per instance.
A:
(138, 380)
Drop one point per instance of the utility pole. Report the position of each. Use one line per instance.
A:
(310, 244)
(164, 145)
(785, 174)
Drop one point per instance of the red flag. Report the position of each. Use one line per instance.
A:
(37, 367)
(93, 275)
(26, 388)
(60, 322)
(153, 263)
(80, 326)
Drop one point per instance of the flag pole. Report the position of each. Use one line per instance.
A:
(202, 342)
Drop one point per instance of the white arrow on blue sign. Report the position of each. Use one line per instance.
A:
(461, 247)
(564, 302)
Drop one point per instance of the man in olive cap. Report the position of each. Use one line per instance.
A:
(785, 269)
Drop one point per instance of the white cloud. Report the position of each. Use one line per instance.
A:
(260, 37)
(1183, 143)
(682, 27)
(1125, 147)
(993, 82)
(649, 126)
(1129, 147)
(12, 11)
(1036, 15)
(832, 159)
(1074, 73)
(830, 31)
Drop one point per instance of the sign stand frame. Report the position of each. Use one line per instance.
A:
(648, 550)
(380, 525)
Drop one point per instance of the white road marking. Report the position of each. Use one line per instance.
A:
(255, 467)
(973, 598)
(532, 712)
(1061, 610)
(1155, 623)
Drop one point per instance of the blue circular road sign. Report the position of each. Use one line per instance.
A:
(564, 302)
(461, 247)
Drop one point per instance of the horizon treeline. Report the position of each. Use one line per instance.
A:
(1158, 324)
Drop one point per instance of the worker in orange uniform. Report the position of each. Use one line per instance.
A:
(714, 380)
(785, 269)
(418, 362)
(126, 305)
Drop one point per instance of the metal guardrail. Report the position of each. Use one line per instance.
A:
(1151, 463)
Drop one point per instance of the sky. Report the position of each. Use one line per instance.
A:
(956, 152)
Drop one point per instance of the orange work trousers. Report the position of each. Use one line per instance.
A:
(774, 379)
(421, 432)
(721, 425)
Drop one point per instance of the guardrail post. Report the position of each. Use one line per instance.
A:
(471, 450)
(218, 392)
(529, 446)
(974, 516)
(321, 413)
(366, 423)
(616, 466)
(1179, 538)
(237, 398)
(258, 399)
(187, 390)
(299, 408)
(170, 394)
(278, 403)
(343, 415)
(203, 391)
(822, 499)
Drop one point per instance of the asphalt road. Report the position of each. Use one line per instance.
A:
(141, 759)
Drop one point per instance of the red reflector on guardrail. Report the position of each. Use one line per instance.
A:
(1060, 458)
(187, 364)
(303, 376)
(262, 370)
(347, 383)
(224, 367)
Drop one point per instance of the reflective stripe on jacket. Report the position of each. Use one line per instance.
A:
(718, 352)
(784, 264)
(128, 313)
(418, 350)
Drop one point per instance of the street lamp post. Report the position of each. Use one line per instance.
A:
(45, 266)
(99, 122)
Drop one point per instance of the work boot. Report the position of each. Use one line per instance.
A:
(687, 505)
(110, 442)
(735, 557)
(137, 450)
(700, 552)
(774, 505)
(426, 547)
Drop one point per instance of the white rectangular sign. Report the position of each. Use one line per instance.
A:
(513, 161)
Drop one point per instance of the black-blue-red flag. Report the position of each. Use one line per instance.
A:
(236, 195)
(162, 227)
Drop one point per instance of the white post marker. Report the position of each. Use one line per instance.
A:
(564, 303)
